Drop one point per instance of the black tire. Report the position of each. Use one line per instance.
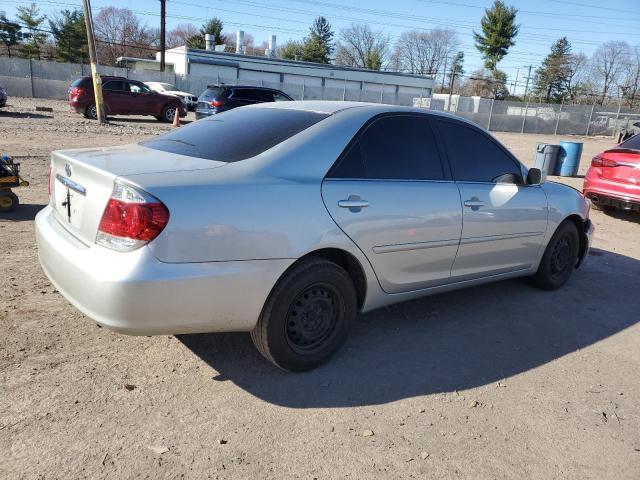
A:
(168, 113)
(559, 259)
(8, 201)
(91, 112)
(307, 316)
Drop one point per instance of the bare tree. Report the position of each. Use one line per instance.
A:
(425, 53)
(631, 84)
(608, 63)
(119, 33)
(361, 47)
(577, 72)
(181, 34)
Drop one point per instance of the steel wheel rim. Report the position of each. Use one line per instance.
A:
(313, 318)
(93, 112)
(560, 256)
(171, 112)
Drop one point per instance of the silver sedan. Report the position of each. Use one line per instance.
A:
(287, 219)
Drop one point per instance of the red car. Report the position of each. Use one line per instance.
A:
(613, 179)
(124, 97)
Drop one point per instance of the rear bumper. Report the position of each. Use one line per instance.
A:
(136, 294)
(603, 192)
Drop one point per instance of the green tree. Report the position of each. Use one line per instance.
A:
(291, 50)
(31, 18)
(457, 66)
(373, 60)
(553, 76)
(70, 36)
(498, 32)
(212, 27)
(10, 33)
(318, 46)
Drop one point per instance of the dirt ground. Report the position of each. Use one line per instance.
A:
(498, 382)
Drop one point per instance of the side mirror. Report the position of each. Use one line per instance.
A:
(534, 177)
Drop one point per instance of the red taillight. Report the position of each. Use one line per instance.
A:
(216, 103)
(75, 92)
(138, 221)
(131, 219)
(600, 161)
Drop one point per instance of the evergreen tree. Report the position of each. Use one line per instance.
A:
(31, 18)
(552, 78)
(457, 67)
(70, 36)
(291, 50)
(211, 27)
(318, 46)
(498, 32)
(10, 33)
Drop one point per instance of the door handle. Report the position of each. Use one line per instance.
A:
(354, 203)
(474, 203)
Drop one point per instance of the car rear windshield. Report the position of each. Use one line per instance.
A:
(213, 92)
(633, 143)
(82, 82)
(236, 134)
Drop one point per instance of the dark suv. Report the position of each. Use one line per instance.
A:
(124, 97)
(220, 98)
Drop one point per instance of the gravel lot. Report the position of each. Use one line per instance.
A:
(501, 381)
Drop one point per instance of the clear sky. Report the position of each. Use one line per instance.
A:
(586, 23)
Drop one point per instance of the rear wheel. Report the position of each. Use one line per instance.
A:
(559, 259)
(307, 316)
(8, 201)
(168, 112)
(91, 111)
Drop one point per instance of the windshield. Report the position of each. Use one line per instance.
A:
(236, 134)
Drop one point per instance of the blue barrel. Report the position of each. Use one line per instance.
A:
(569, 159)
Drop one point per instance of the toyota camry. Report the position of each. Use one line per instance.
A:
(287, 219)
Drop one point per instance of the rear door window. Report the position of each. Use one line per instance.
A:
(475, 157)
(114, 85)
(250, 95)
(632, 143)
(280, 97)
(135, 87)
(399, 147)
(236, 134)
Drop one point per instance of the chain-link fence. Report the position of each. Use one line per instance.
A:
(44, 79)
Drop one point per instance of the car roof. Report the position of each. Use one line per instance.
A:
(253, 87)
(331, 107)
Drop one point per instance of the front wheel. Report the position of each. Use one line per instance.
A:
(91, 112)
(559, 259)
(168, 112)
(307, 316)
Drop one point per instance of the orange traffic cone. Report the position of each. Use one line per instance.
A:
(176, 119)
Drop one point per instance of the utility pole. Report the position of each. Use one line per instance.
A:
(515, 84)
(451, 82)
(91, 44)
(526, 88)
(163, 17)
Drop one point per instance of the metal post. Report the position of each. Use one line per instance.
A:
(344, 90)
(555, 132)
(218, 78)
(302, 89)
(91, 44)
(617, 117)
(31, 76)
(421, 92)
(590, 117)
(163, 16)
(524, 119)
(382, 94)
(490, 114)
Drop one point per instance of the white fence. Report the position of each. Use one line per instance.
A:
(43, 79)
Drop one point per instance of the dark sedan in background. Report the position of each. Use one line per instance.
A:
(124, 97)
(220, 98)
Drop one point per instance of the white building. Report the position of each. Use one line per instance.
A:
(194, 69)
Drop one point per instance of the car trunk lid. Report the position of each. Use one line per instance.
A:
(82, 180)
(621, 165)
